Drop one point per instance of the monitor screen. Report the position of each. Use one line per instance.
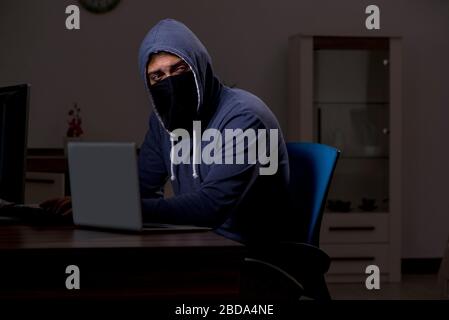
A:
(13, 141)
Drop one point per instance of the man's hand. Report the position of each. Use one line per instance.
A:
(59, 206)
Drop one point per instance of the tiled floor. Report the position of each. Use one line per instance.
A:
(415, 287)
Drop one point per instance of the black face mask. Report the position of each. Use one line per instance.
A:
(176, 101)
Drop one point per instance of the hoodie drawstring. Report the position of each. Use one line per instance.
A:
(172, 156)
(194, 173)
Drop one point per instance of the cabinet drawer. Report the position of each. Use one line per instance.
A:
(354, 258)
(354, 228)
(43, 186)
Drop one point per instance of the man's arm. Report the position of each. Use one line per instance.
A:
(152, 171)
(221, 190)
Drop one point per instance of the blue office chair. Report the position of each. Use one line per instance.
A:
(296, 263)
(312, 166)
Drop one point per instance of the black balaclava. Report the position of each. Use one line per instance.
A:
(176, 101)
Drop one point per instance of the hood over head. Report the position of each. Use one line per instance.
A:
(174, 37)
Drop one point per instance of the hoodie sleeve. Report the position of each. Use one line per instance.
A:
(220, 192)
(152, 170)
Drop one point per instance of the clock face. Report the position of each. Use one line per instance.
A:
(99, 6)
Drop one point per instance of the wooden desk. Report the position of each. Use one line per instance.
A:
(161, 265)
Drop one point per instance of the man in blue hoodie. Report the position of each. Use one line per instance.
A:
(233, 198)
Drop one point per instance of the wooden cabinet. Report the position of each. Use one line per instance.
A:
(41, 186)
(346, 92)
(46, 176)
(355, 227)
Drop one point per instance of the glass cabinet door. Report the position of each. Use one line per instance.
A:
(351, 93)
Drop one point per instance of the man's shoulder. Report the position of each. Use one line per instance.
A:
(239, 102)
(242, 98)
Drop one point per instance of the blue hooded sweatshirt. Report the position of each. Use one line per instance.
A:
(234, 199)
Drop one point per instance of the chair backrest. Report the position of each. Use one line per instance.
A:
(311, 169)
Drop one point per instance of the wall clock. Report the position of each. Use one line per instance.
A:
(99, 6)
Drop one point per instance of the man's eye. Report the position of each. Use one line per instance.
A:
(181, 68)
(155, 77)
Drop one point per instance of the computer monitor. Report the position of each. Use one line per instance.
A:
(14, 101)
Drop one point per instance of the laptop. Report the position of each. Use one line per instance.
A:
(105, 188)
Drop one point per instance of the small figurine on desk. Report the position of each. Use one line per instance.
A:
(75, 130)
